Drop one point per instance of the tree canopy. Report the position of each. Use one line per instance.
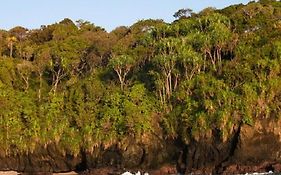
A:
(75, 85)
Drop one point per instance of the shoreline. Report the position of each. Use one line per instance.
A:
(39, 173)
(261, 169)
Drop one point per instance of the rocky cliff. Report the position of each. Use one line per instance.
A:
(249, 148)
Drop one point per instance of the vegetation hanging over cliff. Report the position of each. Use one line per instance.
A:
(80, 87)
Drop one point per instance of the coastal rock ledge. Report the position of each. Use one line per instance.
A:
(255, 148)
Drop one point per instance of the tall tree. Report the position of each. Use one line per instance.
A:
(11, 40)
(183, 13)
(122, 65)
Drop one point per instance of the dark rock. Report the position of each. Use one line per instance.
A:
(276, 167)
(247, 149)
(257, 150)
(48, 159)
(133, 156)
(259, 143)
(209, 153)
(164, 170)
(181, 163)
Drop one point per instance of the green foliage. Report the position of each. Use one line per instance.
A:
(127, 113)
(202, 107)
(122, 65)
(7, 71)
(205, 72)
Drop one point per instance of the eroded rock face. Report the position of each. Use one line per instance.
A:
(48, 159)
(248, 149)
(209, 154)
(258, 148)
(260, 142)
(135, 155)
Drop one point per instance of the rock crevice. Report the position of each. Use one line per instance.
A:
(248, 149)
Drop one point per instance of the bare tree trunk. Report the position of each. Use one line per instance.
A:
(40, 86)
(27, 83)
(56, 79)
(164, 96)
(11, 50)
(161, 97)
(176, 81)
(219, 57)
(192, 74)
(7, 137)
(215, 57)
(167, 86)
(204, 64)
(170, 84)
(56, 85)
(121, 78)
(212, 59)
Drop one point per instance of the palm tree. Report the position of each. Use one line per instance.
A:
(11, 40)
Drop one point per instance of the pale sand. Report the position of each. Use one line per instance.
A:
(8, 173)
(69, 173)
(16, 173)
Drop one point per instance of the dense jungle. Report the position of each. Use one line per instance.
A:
(74, 96)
